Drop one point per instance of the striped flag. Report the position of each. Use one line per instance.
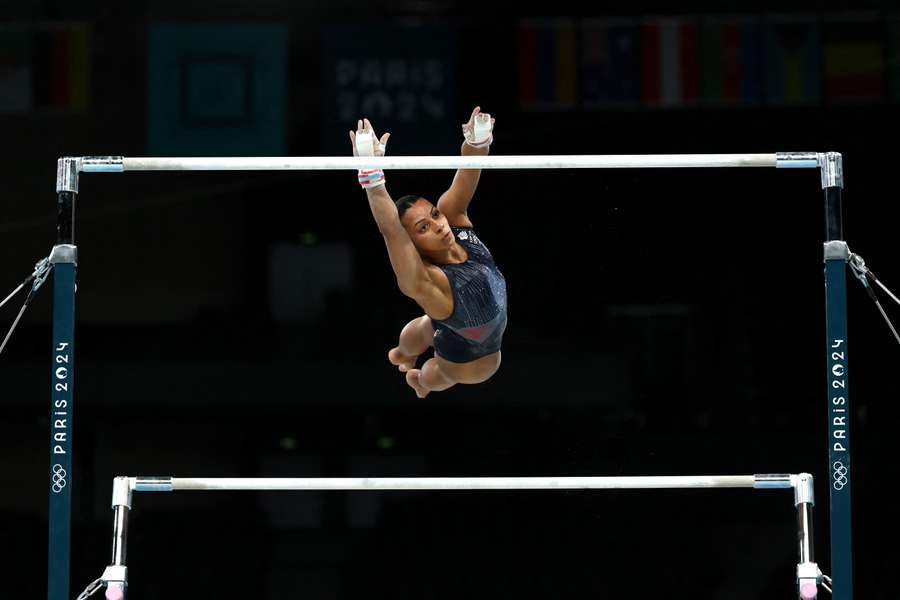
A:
(610, 62)
(670, 68)
(893, 54)
(547, 64)
(731, 61)
(854, 59)
(62, 67)
(793, 61)
(45, 67)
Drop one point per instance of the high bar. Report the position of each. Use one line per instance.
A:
(171, 484)
(119, 164)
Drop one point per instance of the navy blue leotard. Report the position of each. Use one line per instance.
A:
(476, 327)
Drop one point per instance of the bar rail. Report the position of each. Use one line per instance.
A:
(118, 164)
(170, 484)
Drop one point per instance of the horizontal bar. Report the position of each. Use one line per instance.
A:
(108, 164)
(168, 484)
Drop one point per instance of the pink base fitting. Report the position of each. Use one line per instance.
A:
(808, 591)
(115, 592)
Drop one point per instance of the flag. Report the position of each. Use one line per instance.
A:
(731, 61)
(792, 61)
(610, 67)
(45, 67)
(893, 54)
(854, 59)
(548, 77)
(670, 70)
(61, 67)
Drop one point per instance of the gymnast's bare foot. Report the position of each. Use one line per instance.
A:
(412, 378)
(404, 363)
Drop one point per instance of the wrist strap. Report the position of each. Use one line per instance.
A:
(370, 178)
(483, 144)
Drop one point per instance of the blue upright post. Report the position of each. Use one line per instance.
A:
(836, 255)
(62, 382)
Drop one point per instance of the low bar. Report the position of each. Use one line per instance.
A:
(114, 164)
(158, 484)
(115, 577)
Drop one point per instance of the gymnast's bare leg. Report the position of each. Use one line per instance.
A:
(437, 374)
(415, 338)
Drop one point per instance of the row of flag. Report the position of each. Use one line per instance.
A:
(708, 61)
(665, 61)
(45, 68)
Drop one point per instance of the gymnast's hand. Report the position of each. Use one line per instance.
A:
(479, 130)
(365, 142)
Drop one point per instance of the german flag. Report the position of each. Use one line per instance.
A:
(61, 67)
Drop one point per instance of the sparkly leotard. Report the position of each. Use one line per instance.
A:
(476, 327)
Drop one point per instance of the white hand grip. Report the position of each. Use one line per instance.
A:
(365, 144)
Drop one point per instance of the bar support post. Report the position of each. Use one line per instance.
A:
(62, 381)
(837, 254)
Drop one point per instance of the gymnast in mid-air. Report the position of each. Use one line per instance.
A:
(442, 265)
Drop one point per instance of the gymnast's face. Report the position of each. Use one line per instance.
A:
(427, 227)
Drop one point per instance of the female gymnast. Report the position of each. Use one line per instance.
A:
(442, 265)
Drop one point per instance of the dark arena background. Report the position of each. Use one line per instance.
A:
(661, 321)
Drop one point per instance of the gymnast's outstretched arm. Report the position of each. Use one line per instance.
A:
(413, 278)
(454, 203)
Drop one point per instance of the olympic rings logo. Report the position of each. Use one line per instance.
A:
(59, 479)
(839, 475)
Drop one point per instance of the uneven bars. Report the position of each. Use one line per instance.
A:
(171, 484)
(120, 164)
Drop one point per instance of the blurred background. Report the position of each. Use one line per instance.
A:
(662, 322)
